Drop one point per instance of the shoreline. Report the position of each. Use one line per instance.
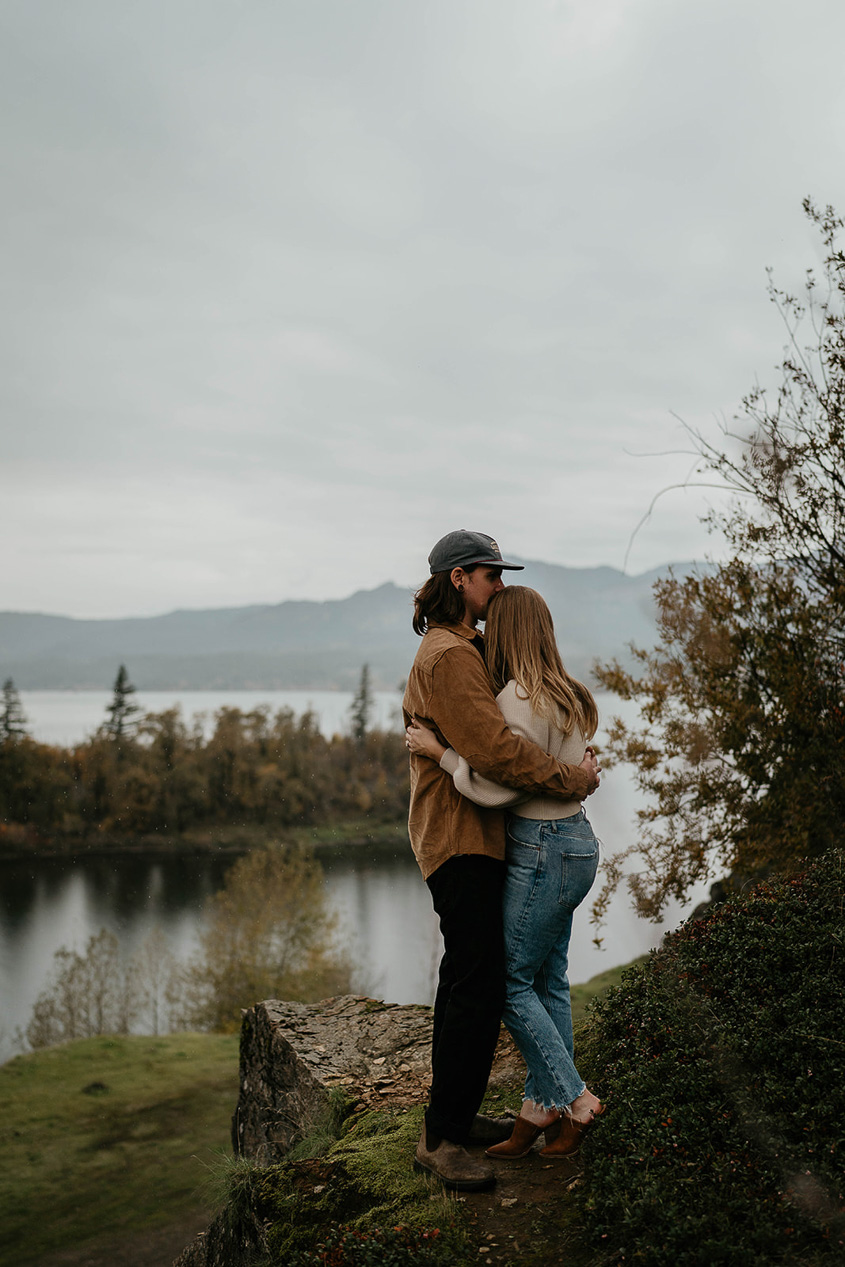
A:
(223, 841)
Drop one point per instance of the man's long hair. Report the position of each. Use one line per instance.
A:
(438, 602)
(519, 639)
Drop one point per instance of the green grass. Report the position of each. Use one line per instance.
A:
(367, 1186)
(109, 1134)
(349, 832)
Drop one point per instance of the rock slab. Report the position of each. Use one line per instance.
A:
(293, 1056)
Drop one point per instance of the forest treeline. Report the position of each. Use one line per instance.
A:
(158, 773)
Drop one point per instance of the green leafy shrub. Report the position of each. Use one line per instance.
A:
(722, 1064)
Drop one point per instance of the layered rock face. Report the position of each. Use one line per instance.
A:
(294, 1055)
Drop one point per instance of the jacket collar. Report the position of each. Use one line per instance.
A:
(463, 631)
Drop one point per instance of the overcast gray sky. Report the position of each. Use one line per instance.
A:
(292, 287)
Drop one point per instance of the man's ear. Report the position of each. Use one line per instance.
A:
(456, 576)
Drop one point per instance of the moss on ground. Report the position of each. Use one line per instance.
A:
(362, 1187)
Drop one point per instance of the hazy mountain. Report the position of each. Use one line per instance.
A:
(597, 611)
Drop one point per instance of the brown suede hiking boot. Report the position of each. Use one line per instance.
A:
(454, 1167)
(490, 1130)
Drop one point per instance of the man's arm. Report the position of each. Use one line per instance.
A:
(470, 783)
(464, 710)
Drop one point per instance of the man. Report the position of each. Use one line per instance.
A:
(460, 847)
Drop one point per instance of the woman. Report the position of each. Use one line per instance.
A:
(552, 858)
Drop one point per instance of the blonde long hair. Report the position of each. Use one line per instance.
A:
(519, 638)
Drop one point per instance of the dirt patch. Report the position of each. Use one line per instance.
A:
(525, 1219)
(520, 1220)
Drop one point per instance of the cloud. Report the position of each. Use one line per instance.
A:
(294, 288)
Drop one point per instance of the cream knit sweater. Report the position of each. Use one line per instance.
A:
(517, 712)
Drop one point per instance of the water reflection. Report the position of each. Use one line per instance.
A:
(382, 906)
(386, 912)
(49, 903)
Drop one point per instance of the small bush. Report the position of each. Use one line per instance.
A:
(268, 933)
(722, 1063)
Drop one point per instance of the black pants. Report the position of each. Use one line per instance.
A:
(467, 896)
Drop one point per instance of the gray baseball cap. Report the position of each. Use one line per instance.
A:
(463, 549)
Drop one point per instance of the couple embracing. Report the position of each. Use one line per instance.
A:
(498, 829)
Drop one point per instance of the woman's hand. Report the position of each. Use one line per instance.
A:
(423, 742)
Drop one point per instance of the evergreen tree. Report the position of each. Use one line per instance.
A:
(122, 708)
(12, 717)
(361, 708)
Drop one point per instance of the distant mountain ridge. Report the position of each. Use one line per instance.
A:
(307, 644)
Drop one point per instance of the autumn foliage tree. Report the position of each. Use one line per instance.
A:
(34, 783)
(740, 743)
(268, 934)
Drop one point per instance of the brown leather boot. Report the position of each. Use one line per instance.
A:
(571, 1135)
(522, 1138)
(453, 1166)
(490, 1130)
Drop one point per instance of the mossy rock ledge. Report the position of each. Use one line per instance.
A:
(298, 1063)
(294, 1056)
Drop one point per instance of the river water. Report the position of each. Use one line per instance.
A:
(383, 905)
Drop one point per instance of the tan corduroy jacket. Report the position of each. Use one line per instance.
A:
(449, 690)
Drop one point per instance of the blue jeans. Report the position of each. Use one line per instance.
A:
(551, 867)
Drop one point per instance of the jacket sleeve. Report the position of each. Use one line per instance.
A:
(462, 706)
(475, 787)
